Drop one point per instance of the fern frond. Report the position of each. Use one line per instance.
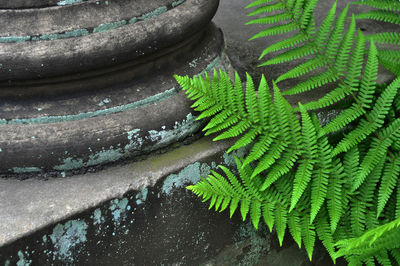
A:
(321, 174)
(293, 54)
(343, 119)
(385, 38)
(304, 68)
(283, 166)
(330, 98)
(266, 8)
(269, 158)
(384, 5)
(308, 233)
(258, 2)
(380, 16)
(276, 30)
(312, 83)
(304, 171)
(294, 224)
(376, 116)
(390, 179)
(259, 148)
(325, 27)
(332, 46)
(245, 140)
(284, 44)
(280, 221)
(376, 152)
(251, 100)
(271, 19)
(356, 62)
(334, 194)
(324, 233)
(342, 56)
(268, 214)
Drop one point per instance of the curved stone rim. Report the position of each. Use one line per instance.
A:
(32, 60)
(103, 139)
(51, 23)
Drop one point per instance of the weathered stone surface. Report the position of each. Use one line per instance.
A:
(123, 100)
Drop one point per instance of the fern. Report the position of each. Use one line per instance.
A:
(338, 183)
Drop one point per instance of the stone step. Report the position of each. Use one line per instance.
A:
(136, 214)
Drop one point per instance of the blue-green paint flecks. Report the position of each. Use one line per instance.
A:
(70, 164)
(22, 261)
(142, 196)
(21, 170)
(83, 32)
(97, 217)
(17, 39)
(109, 26)
(118, 210)
(66, 118)
(68, 34)
(68, 2)
(189, 175)
(153, 13)
(68, 238)
(177, 3)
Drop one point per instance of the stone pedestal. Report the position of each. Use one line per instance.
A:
(87, 83)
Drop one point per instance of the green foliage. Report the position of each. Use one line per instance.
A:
(339, 182)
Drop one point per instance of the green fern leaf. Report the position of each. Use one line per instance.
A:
(283, 166)
(234, 131)
(308, 233)
(294, 224)
(368, 83)
(343, 119)
(238, 97)
(376, 116)
(390, 179)
(233, 206)
(332, 46)
(259, 2)
(304, 171)
(353, 74)
(271, 19)
(324, 233)
(231, 120)
(396, 255)
(251, 100)
(390, 55)
(385, 5)
(245, 140)
(284, 44)
(293, 54)
(269, 158)
(358, 216)
(307, 14)
(320, 177)
(280, 222)
(344, 49)
(264, 102)
(376, 152)
(385, 38)
(267, 9)
(380, 16)
(351, 161)
(244, 207)
(330, 98)
(255, 213)
(334, 194)
(259, 148)
(325, 28)
(218, 119)
(268, 214)
(397, 211)
(302, 69)
(276, 30)
(312, 83)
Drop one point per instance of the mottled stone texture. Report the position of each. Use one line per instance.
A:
(88, 83)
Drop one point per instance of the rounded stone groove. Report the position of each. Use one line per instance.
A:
(41, 59)
(59, 19)
(147, 113)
